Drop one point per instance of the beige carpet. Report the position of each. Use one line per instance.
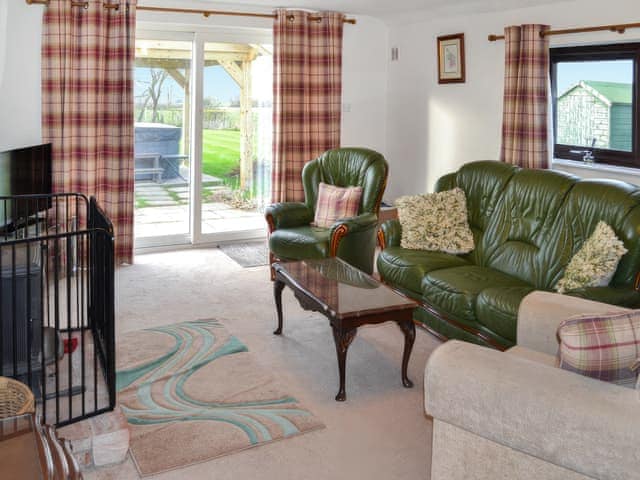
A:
(380, 432)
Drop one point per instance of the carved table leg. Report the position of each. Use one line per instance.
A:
(343, 339)
(409, 330)
(277, 295)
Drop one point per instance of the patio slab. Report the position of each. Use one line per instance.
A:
(173, 219)
(181, 189)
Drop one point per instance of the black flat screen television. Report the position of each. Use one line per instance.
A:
(24, 171)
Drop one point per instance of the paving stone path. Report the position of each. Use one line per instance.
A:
(150, 194)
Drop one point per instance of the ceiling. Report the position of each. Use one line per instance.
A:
(391, 9)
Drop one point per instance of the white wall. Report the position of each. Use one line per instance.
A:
(364, 70)
(364, 84)
(20, 32)
(432, 129)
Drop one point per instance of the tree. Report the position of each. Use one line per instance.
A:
(152, 93)
(211, 102)
(170, 97)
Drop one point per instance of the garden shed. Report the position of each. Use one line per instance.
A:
(593, 110)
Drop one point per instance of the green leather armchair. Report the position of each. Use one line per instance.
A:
(291, 235)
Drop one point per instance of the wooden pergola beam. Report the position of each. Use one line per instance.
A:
(234, 71)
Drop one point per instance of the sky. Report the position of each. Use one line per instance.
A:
(569, 74)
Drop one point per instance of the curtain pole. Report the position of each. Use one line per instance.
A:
(205, 13)
(620, 28)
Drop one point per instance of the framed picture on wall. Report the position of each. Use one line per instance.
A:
(451, 58)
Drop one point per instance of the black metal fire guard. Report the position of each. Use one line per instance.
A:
(57, 303)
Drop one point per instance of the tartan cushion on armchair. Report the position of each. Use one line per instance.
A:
(335, 203)
(604, 347)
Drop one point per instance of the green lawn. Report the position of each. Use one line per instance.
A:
(221, 153)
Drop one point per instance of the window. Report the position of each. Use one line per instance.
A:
(596, 110)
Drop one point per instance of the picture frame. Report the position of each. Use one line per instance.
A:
(451, 68)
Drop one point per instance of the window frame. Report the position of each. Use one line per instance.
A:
(608, 52)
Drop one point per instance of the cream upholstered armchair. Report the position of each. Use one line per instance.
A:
(514, 415)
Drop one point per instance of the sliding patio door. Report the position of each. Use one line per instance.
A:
(203, 137)
(163, 98)
(236, 138)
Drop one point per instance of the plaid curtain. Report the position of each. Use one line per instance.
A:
(307, 92)
(526, 77)
(87, 106)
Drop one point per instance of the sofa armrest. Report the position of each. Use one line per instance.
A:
(346, 226)
(576, 422)
(389, 233)
(287, 214)
(624, 297)
(541, 313)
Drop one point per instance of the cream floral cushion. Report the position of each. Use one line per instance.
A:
(595, 263)
(435, 221)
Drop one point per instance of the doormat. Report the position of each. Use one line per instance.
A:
(251, 254)
(192, 392)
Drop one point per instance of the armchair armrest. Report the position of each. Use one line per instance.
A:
(389, 233)
(576, 422)
(351, 225)
(541, 313)
(287, 214)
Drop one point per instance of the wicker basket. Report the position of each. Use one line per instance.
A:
(15, 398)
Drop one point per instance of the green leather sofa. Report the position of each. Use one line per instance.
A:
(527, 225)
(291, 235)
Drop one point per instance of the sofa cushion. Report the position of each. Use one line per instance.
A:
(520, 240)
(596, 261)
(483, 183)
(300, 242)
(455, 290)
(497, 309)
(406, 268)
(604, 346)
(436, 222)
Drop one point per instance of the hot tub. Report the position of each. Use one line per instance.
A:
(158, 139)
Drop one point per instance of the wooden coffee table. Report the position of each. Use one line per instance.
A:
(348, 298)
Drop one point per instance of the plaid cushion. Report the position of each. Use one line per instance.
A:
(601, 346)
(336, 202)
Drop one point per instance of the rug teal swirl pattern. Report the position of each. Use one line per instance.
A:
(191, 392)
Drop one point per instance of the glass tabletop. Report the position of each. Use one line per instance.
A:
(345, 290)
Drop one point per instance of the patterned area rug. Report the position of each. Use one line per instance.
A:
(192, 392)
